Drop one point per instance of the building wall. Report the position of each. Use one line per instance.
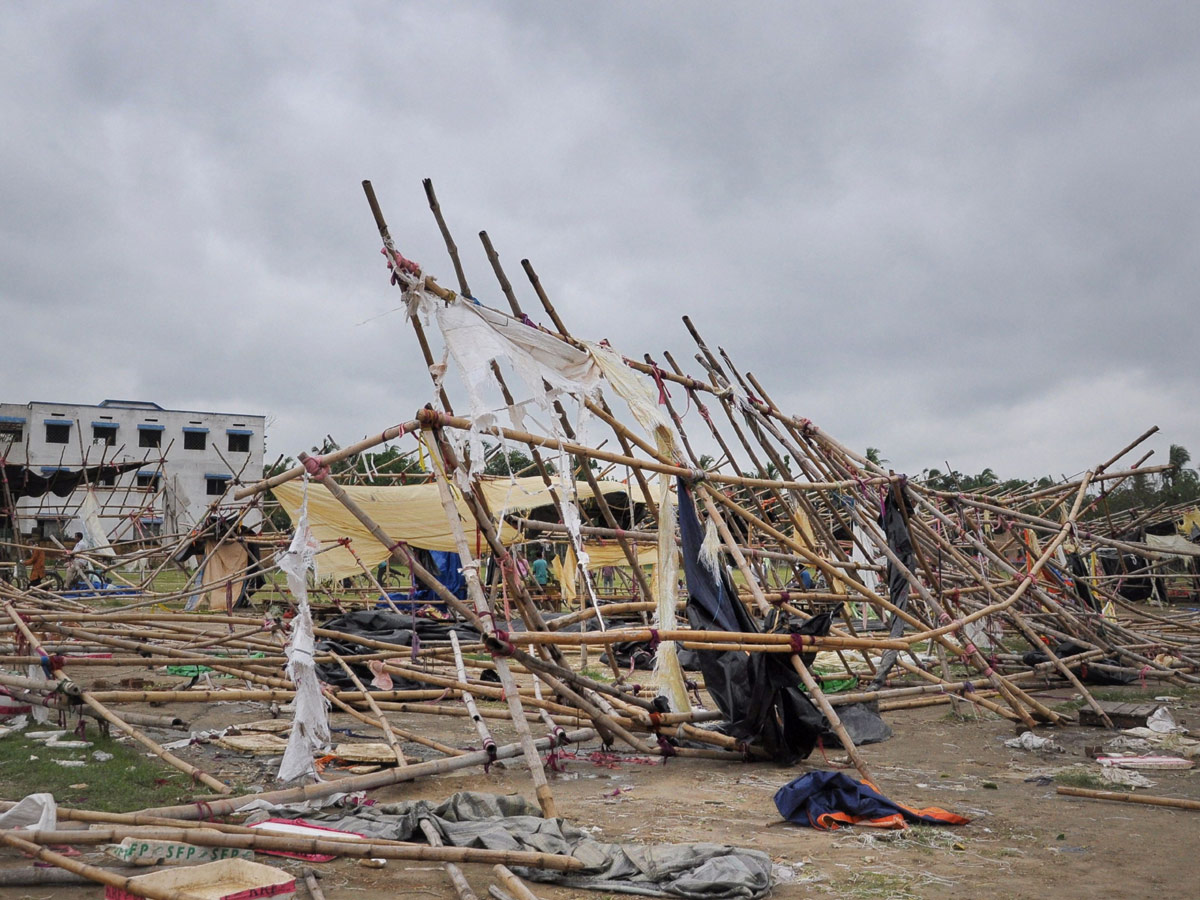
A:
(115, 432)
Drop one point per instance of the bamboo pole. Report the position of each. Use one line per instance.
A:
(457, 880)
(486, 614)
(92, 873)
(515, 886)
(1173, 802)
(113, 719)
(291, 843)
(310, 881)
(485, 736)
(225, 806)
(384, 725)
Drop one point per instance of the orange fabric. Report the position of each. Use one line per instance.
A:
(37, 564)
(835, 820)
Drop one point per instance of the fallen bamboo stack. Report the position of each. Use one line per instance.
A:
(798, 553)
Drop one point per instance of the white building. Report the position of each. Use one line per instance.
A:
(189, 461)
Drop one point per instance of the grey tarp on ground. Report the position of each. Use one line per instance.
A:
(495, 822)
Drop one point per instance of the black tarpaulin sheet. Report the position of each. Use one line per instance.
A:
(25, 482)
(1086, 673)
(1080, 574)
(758, 693)
(900, 543)
(385, 626)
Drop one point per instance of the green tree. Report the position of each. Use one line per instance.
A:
(503, 463)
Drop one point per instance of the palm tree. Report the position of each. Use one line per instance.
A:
(1177, 458)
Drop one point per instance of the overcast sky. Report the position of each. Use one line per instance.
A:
(954, 231)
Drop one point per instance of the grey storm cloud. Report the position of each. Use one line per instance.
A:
(960, 232)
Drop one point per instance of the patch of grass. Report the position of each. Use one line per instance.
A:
(1132, 693)
(1069, 706)
(1081, 778)
(596, 674)
(128, 781)
(877, 884)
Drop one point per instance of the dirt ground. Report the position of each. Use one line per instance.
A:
(1023, 841)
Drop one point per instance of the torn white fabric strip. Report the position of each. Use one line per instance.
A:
(310, 717)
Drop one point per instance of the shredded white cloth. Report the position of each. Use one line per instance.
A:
(1030, 741)
(710, 548)
(1126, 777)
(637, 394)
(476, 337)
(96, 538)
(310, 718)
(668, 672)
(36, 812)
(635, 391)
(1162, 722)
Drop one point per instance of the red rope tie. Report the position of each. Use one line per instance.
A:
(666, 748)
(775, 601)
(315, 466)
(397, 263)
(1145, 670)
(806, 426)
(703, 410)
(205, 811)
(507, 647)
(656, 719)
(784, 596)
(825, 756)
(343, 542)
(944, 618)
(797, 642)
(654, 639)
(554, 760)
(663, 393)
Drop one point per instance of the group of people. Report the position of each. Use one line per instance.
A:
(537, 570)
(78, 566)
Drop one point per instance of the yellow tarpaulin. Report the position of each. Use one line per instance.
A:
(565, 570)
(413, 514)
(601, 555)
(1190, 522)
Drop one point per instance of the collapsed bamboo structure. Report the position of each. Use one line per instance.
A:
(817, 560)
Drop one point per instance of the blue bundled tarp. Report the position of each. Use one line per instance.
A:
(448, 569)
(832, 800)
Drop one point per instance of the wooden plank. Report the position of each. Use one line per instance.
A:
(1122, 715)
